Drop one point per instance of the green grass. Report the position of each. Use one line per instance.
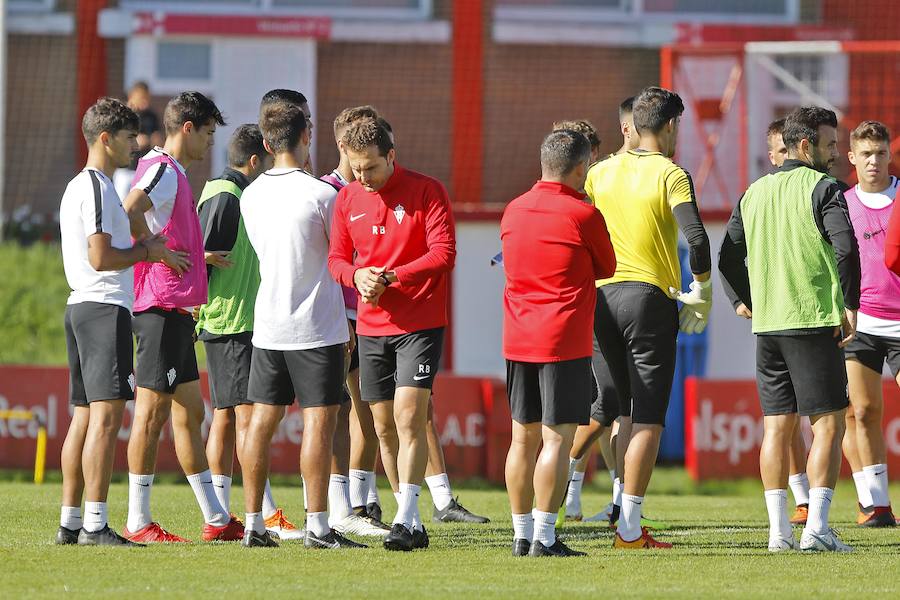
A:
(720, 533)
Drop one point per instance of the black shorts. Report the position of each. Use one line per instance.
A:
(636, 326)
(392, 361)
(873, 350)
(165, 349)
(228, 362)
(100, 350)
(604, 399)
(354, 356)
(800, 374)
(556, 393)
(315, 377)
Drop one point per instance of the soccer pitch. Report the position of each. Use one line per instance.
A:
(720, 532)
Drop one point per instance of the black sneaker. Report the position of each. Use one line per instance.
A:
(104, 537)
(66, 536)
(373, 510)
(400, 538)
(457, 513)
(363, 511)
(521, 547)
(330, 541)
(614, 514)
(557, 549)
(419, 539)
(258, 540)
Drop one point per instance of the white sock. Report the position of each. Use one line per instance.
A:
(359, 487)
(441, 494)
(317, 522)
(862, 489)
(222, 485)
(573, 463)
(819, 505)
(406, 505)
(523, 527)
(630, 520)
(70, 517)
(544, 527)
(877, 482)
(255, 522)
(417, 520)
(612, 475)
(139, 487)
(799, 484)
(94, 516)
(573, 495)
(776, 505)
(339, 506)
(305, 499)
(212, 510)
(617, 491)
(268, 506)
(373, 490)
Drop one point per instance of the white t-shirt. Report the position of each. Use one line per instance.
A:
(160, 183)
(90, 205)
(288, 214)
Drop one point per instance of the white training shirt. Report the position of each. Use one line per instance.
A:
(867, 323)
(90, 205)
(160, 183)
(287, 214)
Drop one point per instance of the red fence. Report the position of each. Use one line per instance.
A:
(472, 416)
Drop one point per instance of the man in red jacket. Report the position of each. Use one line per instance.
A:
(400, 226)
(554, 246)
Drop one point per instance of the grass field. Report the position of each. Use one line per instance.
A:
(720, 532)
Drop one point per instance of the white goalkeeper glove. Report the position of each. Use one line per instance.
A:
(696, 304)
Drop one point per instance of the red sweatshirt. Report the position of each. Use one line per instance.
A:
(554, 246)
(406, 227)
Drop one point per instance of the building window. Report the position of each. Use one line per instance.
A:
(336, 8)
(729, 11)
(30, 5)
(183, 60)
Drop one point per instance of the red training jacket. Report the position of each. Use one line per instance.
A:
(555, 246)
(406, 227)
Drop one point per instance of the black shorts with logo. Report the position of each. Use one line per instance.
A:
(636, 325)
(554, 393)
(403, 360)
(315, 376)
(604, 399)
(228, 361)
(165, 349)
(874, 350)
(800, 374)
(100, 350)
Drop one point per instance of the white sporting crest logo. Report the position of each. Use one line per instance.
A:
(131, 382)
(399, 213)
(171, 376)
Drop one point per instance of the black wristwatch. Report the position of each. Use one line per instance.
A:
(384, 279)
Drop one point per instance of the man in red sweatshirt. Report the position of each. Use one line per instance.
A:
(400, 226)
(554, 246)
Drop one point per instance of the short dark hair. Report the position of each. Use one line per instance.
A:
(776, 127)
(110, 115)
(384, 123)
(349, 116)
(875, 131)
(563, 150)
(282, 124)
(582, 126)
(193, 107)
(368, 132)
(281, 95)
(626, 107)
(139, 85)
(654, 107)
(246, 141)
(804, 122)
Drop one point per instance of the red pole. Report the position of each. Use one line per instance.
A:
(91, 63)
(666, 77)
(467, 98)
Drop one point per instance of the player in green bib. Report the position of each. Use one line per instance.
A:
(791, 257)
(225, 322)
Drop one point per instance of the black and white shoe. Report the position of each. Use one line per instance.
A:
(104, 537)
(330, 541)
(521, 547)
(557, 549)
(419, 539)
(258, 540)
(400, 538)
(373, 511)
(66, 536)
(457, 513)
